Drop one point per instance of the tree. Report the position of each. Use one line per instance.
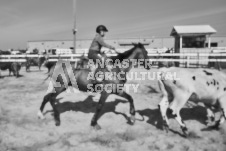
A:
(35, 51)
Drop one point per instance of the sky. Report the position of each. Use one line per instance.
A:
(30, 20)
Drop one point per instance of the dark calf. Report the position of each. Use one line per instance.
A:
(11, 66)
(35, 62)
(15, 68)
(49, 65)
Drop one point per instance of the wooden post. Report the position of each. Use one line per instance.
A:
(209, 41)
(181, 46)
(181, 42)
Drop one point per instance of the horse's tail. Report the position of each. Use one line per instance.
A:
(46, 78)
(49, 74)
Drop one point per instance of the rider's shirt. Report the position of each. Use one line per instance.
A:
(98, 43)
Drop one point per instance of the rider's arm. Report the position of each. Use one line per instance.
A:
(102, 43)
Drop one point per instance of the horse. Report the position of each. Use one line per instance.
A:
(81, 79)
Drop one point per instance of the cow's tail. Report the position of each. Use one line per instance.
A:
(161, 80)
(162, 87)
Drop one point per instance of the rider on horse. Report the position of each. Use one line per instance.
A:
(95, 52)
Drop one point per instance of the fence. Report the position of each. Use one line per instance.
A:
(187, 59)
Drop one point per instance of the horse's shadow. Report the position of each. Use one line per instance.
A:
(89, 106)
(154, 116)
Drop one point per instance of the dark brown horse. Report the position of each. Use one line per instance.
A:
(81, 82)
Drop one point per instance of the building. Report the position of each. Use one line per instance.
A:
(195, 39)
(195, 36)
(83, 45)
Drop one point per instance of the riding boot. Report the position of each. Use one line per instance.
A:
(98, 77)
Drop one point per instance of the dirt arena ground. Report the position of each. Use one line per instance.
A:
(21, 130)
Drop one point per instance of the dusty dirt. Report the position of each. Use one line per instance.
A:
(21, 130)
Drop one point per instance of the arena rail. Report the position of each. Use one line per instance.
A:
(186, 58)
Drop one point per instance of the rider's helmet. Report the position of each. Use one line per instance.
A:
(101, 28)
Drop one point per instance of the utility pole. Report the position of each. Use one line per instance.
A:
(74, 28)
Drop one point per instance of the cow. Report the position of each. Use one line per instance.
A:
(12, 67)
(81, 63)
(178, 85)
(15, 68)
(34, 61)
(5, 52)
(166, 63)
(49, 65)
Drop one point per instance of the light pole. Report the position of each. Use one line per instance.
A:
(74, 28)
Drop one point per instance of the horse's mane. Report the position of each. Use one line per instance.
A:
(123, 55)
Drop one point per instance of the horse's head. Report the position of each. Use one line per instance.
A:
(142, 54)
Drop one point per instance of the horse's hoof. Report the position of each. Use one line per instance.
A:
(132, 120)
(165, 128)
(210, 121)
(57, 123)
(214, 125)
(210, 124)
(185, 131)
(40, 115)
(96, 127)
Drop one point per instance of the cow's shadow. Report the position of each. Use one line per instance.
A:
(152, 89)
(154, 116)
(89, 106)
(4, 76)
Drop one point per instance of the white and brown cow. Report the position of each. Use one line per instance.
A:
(197, 85)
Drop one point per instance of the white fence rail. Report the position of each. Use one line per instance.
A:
(187, 58)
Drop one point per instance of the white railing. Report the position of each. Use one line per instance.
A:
(186, 58)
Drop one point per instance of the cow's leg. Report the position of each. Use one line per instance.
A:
(17, 73)
(163, 106)
(39, 66)
(132, 108)
(210, 115)
(179, 101)
(27, 67)
(222, 104)
(10, 72)
(103, 98)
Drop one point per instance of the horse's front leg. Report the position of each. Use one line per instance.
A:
(46, 99)
(103, 98)
(132, 108)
